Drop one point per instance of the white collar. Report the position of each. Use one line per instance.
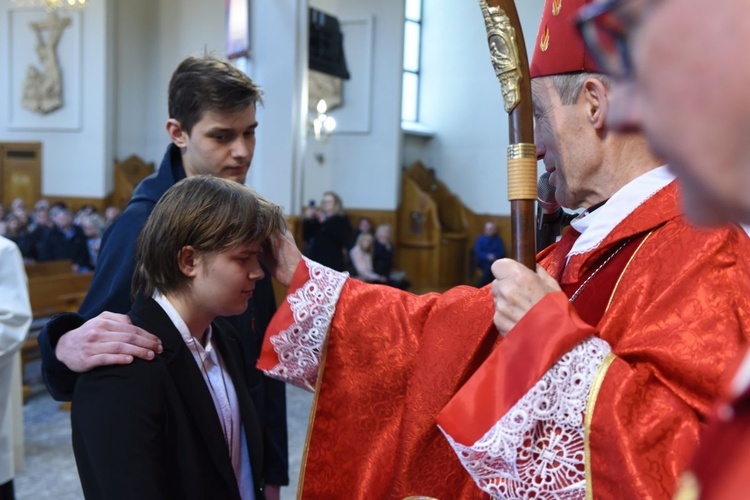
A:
(595, 226)
(179, 323)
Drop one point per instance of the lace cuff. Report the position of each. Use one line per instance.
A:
(298, 346)
(537, 450)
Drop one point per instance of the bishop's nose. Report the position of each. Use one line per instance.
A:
(541, 150)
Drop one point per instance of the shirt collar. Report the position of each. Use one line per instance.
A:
(595, 226)
(180, 324)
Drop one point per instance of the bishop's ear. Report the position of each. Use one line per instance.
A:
(595, 96)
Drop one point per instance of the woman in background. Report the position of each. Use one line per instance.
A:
(363, 226)
(361, 256)
(326, 232)
(382, 260)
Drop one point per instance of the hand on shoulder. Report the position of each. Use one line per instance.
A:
(107, 339)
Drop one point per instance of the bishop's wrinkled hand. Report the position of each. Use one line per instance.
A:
(516, 290)
(281, 256)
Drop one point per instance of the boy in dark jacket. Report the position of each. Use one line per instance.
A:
(212, 126)
(183, 425)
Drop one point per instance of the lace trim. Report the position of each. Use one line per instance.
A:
(298, 347)
(537, 449)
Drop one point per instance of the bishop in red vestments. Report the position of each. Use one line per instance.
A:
(599, 390)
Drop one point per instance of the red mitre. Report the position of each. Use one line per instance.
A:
(559, 47)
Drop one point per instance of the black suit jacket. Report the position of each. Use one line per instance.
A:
(149, 430)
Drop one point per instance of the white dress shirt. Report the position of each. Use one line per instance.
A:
(223, 393)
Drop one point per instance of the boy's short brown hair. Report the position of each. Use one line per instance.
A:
(201, 84)
(208, 213)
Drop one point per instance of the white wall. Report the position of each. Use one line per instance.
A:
(365, 167)
(124, 105)
(74, 162)
(135, 32)
(130, 50)
(170, 30)
(279, 31)
(461, 101)
(161, 34)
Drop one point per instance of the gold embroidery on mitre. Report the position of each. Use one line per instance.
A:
(556, 6)
(544, 42)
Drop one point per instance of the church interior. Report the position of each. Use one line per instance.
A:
(411, 133)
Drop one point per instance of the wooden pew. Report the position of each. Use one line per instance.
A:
(53, 288)
(49, 268)
(56, 293)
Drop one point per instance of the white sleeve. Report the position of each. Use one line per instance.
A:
(15, 309)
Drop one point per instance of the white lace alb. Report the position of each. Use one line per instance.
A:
(537, 450)
(298, 347)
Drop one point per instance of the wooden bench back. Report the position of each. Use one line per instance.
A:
(56, 293)
(53, 289)
(49, 268)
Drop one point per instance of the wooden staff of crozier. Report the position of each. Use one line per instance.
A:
(508, 54)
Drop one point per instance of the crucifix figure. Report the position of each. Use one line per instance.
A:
(42, 90)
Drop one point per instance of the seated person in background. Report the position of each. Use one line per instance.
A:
(110, 214)
(42, 204)
(363, 226)
(488, 248)
(65, 241)
(40, 225)
(361, 257)
(18, 207)
(93, 227)
(17, 231)
(383, 258)
(326, 232)
(59, 204)
(183, 425)
(82, 212)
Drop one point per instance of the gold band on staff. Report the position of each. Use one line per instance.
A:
(522, 183)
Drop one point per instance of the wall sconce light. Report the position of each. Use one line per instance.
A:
(323, 125)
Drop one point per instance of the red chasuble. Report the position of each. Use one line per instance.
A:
(642, 381)
(416, 395)
(721, 467)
